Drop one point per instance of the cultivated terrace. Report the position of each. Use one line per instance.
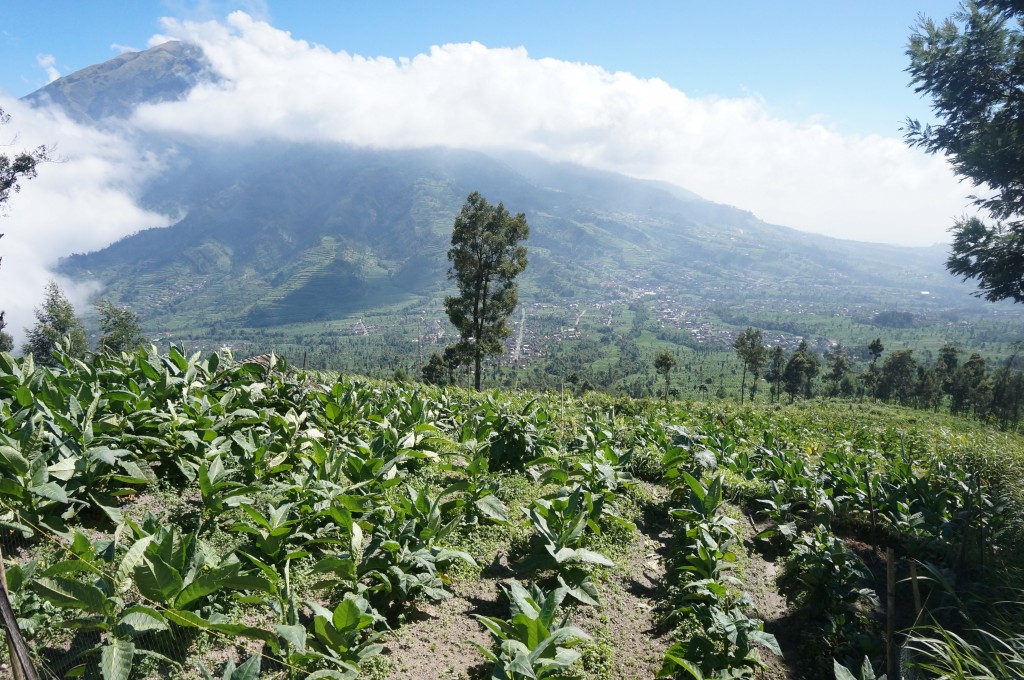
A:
(166, 515)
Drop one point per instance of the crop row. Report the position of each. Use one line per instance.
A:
(313, 518)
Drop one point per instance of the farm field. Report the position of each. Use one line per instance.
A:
(166, 515)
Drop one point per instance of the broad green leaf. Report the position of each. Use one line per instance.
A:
(842, 673)
(768, 641)
(492, 508)
(24, 396)
(109, 507)
(103, 454)
(346, 616)
(116, 659)
(293, 635)
(140, 619)
(204, 584)
(131, 559)
(50, 490)
(673, 664)
(64, 469)
(70, 594)
(447, 555)
(157, 580)
(249, 670)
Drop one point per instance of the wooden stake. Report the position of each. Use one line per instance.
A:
(21, 660)
(871, 505)
(890, 607)
(917, 591)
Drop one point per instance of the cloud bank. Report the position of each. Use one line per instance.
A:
(802, 174)
(81, 201)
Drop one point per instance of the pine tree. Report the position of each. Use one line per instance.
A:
(486, 258)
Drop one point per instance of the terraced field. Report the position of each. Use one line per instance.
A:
(164, 514)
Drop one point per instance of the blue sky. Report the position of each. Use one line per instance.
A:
(840, 61)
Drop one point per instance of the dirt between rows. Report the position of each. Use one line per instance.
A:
(438, 644)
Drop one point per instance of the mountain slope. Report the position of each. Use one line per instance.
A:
(290, 233)
(280, 233)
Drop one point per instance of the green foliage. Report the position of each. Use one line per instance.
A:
(248, 670)
(287, 493)
(532, 643)
(57, 329)
(120, 328)
(969, 66)
(561, 521)
(343, 637)
(725, 640)
(752, 353)
(20, 167)
(827, 581)
(486, 259)
(866, 672)
(663, 365)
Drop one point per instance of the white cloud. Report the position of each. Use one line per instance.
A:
(82, 201)
(123, 49)
(48, 61)
(797, 173)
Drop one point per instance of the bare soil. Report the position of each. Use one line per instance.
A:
(437, 644)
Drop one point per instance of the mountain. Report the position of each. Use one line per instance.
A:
(283, 233)
(115, 87)
(304, 232)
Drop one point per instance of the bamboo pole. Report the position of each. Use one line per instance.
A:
(21, 659)
(871, 506)
(917, 590)
(890, 611)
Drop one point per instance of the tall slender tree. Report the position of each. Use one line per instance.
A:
(752, 353)
(838, 368)
(486, 256)
(800, 371)
(663, 364)
(776, 371)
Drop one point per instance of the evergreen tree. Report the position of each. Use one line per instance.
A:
(970, 66)
(120, 329)
(663, 364)
(929, 387)
(6, 341)
(800, 372)
(838, 364)
(969, 387)
(946, 366)
(486, 258)
(776, 370)
(56, 324)
(437, 371)
(1008, 394)
(897, 377)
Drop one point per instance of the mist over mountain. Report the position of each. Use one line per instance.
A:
(275, 233)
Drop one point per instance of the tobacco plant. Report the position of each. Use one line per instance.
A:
(532, 643)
